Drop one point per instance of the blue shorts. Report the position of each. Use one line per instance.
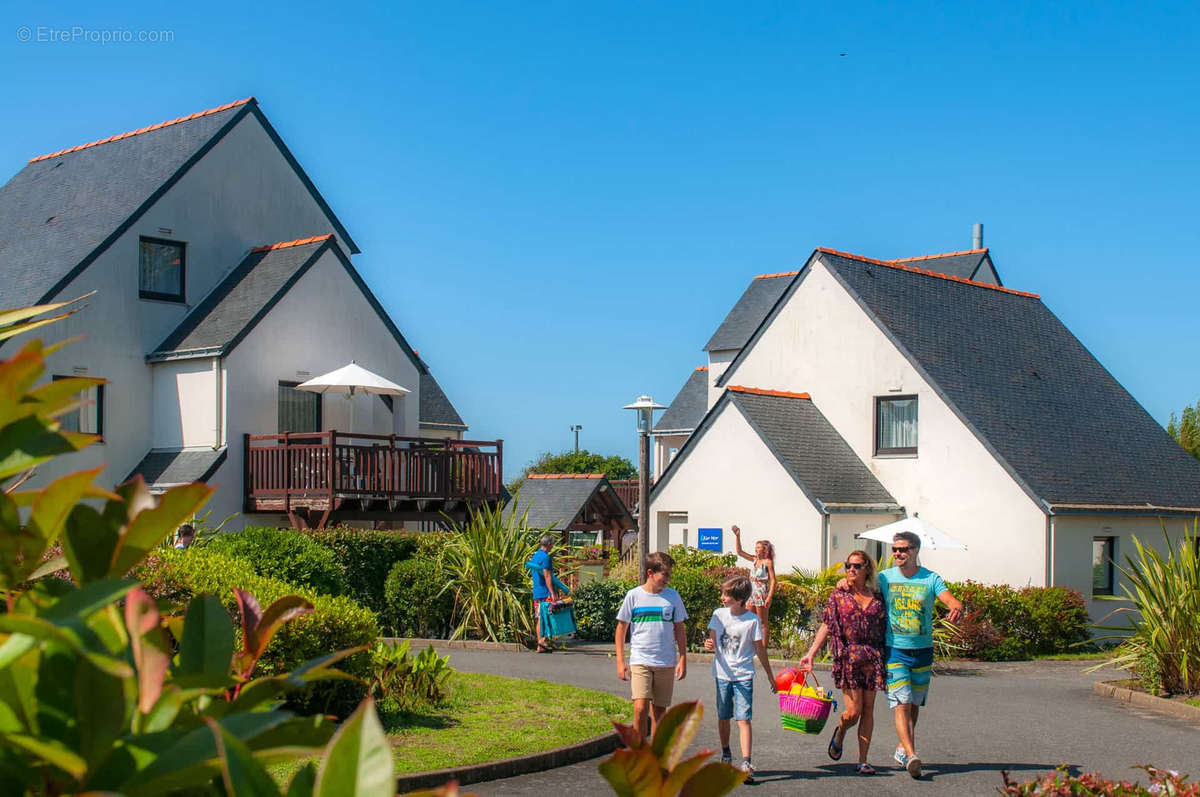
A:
(735, 699)
(908, 676)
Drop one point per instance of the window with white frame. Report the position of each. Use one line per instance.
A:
(88, 417)
(161, 269)
(1103, 550)
(895, 425)
(299, 410)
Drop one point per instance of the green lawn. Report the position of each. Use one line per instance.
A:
(1193, 702)
(1091, 655)
(489, 717)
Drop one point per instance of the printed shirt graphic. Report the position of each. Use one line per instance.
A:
(652, 617)
(733, 659)
(910, 606)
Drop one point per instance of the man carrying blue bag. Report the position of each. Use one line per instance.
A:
(545, 583)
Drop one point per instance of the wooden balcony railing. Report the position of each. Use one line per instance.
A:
(627, 491)
(315, 470)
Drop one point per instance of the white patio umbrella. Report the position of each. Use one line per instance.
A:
(932, 538)
(349, 380)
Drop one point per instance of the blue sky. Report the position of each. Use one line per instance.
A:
(559, 201)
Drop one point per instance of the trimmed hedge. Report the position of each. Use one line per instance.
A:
(595, 607)
(336, 623)
(415, 603)
(367, 557)
(286, 555)
(1004, 624)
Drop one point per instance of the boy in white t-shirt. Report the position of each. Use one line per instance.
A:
(656, 614)
(735, 635)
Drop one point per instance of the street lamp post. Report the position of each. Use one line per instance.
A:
(576, 428)
(645, 407)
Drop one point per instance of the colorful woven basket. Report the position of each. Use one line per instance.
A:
(802, 709)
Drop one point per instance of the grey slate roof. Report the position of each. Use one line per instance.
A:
(554, 503)
(689, 406)
(435, 407)
(1031, 391)
(811, 450)
(247, 293)
(760, 296)
(59, 213)
(975, 264)
(178, 467)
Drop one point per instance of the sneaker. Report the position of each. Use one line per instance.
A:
(748, 768)
(726, 758)
(913, 765)
(900, 756)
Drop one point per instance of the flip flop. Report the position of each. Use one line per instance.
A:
(864, 769)
(835, 749)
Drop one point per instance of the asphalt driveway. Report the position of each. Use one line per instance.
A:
(1026, 718)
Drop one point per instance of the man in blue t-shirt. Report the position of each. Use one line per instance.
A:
(542, 572)
(909, 591)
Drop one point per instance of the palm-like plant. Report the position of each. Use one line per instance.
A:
(1161, 641)
(485, 566)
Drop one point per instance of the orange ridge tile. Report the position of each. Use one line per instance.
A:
(701, 367)
(141, 130)
(943, 254)
(927, 273)
(564, 476)
(297, 242)
(777, 274)
(758, 391)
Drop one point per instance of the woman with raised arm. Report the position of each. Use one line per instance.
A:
(854, 622)
(762, 579)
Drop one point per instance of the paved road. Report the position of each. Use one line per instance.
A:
(1026, 718)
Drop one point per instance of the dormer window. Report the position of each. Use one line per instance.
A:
(161, 269)
(895, 426)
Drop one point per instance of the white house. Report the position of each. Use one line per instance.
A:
(223, 279)
(855, 391)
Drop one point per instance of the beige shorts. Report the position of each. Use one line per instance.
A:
(655, 684)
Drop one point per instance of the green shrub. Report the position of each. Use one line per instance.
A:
(336, 623)
(701, 594)
(285, 554)
(1003, 624)
(414, 602)
(595, 606)
(367, 557)
(1058, 619)
(1093, 784)
(697, 559)
(409, 683)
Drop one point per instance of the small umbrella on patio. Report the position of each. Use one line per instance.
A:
(932, 538)
(350, 380)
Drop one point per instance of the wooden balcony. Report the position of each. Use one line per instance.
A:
(325, 477)
(627, 491)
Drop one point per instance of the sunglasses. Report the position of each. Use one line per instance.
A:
(854, 565)
(905, 549)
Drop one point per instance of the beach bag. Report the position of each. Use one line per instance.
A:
(557, 618)
(805, 708)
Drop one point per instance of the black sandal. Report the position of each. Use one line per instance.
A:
(835, 749)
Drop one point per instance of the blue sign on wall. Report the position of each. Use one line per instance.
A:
(708, 539)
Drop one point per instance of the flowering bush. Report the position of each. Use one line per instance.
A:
(1163, 783)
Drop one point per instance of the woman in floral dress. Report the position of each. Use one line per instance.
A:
(854, 622)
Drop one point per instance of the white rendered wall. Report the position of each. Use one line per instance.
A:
(823, 343)
(718, 362)
(731, 478)
(238, 196)
(185, 404)
(1073, 551)
(287, 341)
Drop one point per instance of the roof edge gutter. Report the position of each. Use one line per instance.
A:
(185, 354)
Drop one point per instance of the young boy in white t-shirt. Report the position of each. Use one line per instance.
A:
(656, 614)
(735, 636)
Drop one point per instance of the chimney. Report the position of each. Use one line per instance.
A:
(977, 236)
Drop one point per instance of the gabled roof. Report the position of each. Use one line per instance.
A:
(556, 500)
(250, 291)
(165, 468)
(689, 406)
(819, 459)
(64, 209)
(435, 408)
(972, 264)
(1050, 413)
(758, 299)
